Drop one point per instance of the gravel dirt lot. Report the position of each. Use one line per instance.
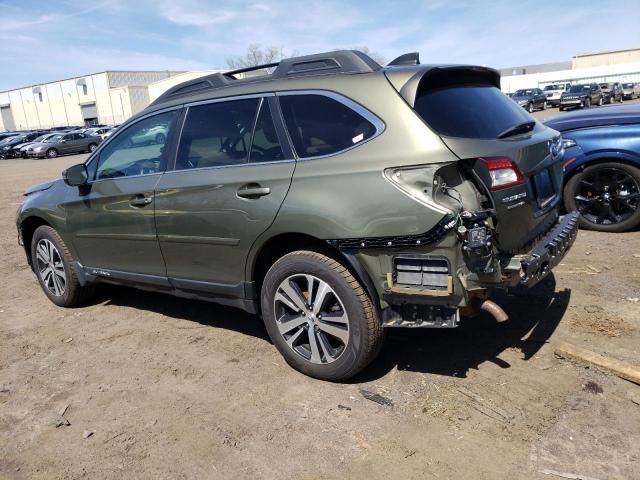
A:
(159, 387)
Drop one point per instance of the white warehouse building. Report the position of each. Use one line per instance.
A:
(100, 98)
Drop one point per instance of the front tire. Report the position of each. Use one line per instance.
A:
(52, 153)
(92, 147)
(54, 267)
(530, 107)
(601, 102)
(587, 103)
(319, 317)
(607, 195)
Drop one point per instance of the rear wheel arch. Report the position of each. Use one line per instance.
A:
(280, 245)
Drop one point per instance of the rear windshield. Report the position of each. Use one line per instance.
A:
(470, 111)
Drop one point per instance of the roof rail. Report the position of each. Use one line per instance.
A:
(339, 61)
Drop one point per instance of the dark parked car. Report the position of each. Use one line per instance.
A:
(612, 92)
(20, 150)
(63, 144)
(602, 166)
(582, 96)
(530, 99)
(7, 149)
(5, 135)
(334, 197)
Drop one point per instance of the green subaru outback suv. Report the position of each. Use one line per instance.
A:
(333, 197)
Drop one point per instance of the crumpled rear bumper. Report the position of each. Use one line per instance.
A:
(549, 251)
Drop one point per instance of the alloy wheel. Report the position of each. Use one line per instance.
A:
(607, 196)
(311, 318)
(51, 267)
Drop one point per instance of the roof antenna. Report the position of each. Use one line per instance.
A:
(412, 58)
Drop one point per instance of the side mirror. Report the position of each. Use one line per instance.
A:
(76, 175)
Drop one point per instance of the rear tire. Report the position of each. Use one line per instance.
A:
(544, 105)
(335, 338)
(55, 268)
(627, 176)
(92, 147)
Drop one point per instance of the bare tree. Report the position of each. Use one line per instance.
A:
(256, 55)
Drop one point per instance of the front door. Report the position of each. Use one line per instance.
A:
(226, 189)
(112, 218)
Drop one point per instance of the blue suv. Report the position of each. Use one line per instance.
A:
(602, 166)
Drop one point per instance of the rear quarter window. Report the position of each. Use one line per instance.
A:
(469, 111)
(319, 125)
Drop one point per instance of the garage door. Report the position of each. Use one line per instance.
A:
(7, 118)
(89, 111)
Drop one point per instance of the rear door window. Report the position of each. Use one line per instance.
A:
(469, 111)
(319, 125)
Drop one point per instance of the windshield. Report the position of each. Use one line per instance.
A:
(552, 87)
(627, 85)
(7, 140)
(522, 93)
(42, 138)
(579, 88)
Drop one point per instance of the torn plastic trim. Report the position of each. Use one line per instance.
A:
(435, 234)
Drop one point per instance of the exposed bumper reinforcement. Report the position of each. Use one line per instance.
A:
(548, 252)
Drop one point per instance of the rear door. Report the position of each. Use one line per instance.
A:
(232, 172)
(476, 121)
(66, 144)
(79, 142)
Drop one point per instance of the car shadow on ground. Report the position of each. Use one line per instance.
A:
(205, 313)
(534, 315)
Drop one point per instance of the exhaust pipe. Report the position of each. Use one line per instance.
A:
(495, 310)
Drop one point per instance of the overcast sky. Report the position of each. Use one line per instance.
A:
(49, 40)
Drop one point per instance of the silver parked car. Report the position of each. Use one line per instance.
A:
(630, 91)
(62, 144)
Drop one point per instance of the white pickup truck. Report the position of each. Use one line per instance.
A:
(553, 93)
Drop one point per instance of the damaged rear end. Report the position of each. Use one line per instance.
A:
(501, 199)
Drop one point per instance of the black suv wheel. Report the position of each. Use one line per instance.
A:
(53, 265)
(319, 317)
(606, 195)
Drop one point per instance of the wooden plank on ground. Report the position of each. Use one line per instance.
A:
(621, 369)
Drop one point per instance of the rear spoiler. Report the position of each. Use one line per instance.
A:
(410, 81)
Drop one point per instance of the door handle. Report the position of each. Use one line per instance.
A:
(140, 201)
(253, 191)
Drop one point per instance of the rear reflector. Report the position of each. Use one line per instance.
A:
(504, 173)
